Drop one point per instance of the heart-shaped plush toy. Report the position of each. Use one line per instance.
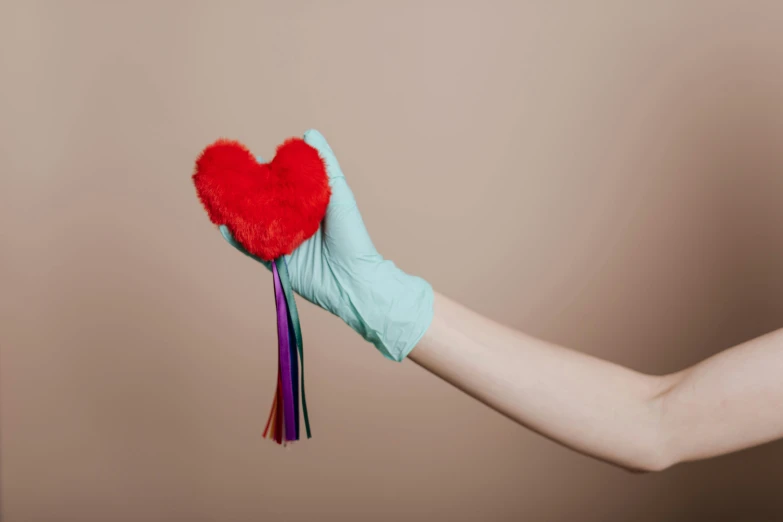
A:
(270, 208)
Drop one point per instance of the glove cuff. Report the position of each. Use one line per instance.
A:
(392, 311)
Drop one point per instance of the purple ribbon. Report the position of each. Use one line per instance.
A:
(284, 344)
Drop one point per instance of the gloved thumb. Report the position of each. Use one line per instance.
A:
(343, 224)
(341, 193)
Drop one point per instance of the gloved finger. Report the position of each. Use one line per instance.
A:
(316, 140)
(236, 244)
(343, 224)
(341, 193)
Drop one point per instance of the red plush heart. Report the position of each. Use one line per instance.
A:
(270, 208)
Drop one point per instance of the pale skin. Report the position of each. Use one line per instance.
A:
(726, 403)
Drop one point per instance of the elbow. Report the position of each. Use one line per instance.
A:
(653, 463)
(660, 458)
(641, 465)
(643, 459)
(646, 461)
(657, 453)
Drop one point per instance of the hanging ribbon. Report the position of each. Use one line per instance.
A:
(283, 423)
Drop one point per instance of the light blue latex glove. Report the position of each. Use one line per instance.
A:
(340, 270)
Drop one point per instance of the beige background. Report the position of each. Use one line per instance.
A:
(606, 175)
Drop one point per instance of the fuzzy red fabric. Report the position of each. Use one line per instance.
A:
(270, 208)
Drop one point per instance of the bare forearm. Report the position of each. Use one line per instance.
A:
(585, 403)
(598, 408)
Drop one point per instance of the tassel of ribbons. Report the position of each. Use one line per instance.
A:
(283, 423)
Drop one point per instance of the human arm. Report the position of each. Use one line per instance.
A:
(640, 422)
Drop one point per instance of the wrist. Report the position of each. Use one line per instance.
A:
(392, 309)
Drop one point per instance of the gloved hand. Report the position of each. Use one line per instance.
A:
(340, 270)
